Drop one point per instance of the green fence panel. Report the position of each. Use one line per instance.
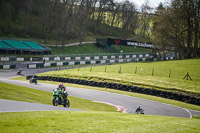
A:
(12, 66)
(53, 64)
(26, 58)
(51, 58)
(65, 63)
(87, 62)
(116, 61)
(12, 58)
(62, 58)
(97, 62)
(77, 63)
(39, 65)
(37, 58)
(100, 57)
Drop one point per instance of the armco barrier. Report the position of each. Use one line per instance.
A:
(38, 65)
(7, 66)
(148, 91)
(78, 57)
(48, 64)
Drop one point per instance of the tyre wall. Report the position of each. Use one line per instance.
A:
(148, 91)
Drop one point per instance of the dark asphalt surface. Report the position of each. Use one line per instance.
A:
(17, 106)
(129, 103)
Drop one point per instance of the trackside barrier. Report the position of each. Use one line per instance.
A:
(20, 59)
(48, 64)
(7, 66)
(81, 57)
(148, 91)
(38, 65)
(5, 59)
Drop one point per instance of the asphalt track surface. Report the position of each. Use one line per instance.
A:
(127, 102)
(17, 106)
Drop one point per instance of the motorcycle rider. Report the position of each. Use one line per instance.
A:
(63, 90)
(34, 76)
(139, 110)
(60, 96)
(33, 79)
(19, 71)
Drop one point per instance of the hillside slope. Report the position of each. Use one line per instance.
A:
(92, 49)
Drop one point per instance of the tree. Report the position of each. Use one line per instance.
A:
(63, 20)
(128, 18)
(16, 5)
(146, 18)
(178, 26)
(115, 10)
(160, 35)
(82, 17)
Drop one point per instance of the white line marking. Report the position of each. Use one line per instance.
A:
(188, 112)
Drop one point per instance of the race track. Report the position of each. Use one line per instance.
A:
(127, 102)
(17, 106)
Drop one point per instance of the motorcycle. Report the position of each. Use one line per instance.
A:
(19, 72)
(139, 111)
(33, 80)
(60, 98)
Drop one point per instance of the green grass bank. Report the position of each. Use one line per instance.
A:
(92, 49)
(98, 122)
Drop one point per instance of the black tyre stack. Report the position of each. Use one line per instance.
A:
(148, 91)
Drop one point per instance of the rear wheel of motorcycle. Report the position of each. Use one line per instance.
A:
(55, 103)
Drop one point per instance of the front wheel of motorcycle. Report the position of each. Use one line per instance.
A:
(55, 103)
(66, 104)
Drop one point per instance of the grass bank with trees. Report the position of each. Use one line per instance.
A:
(63, 21)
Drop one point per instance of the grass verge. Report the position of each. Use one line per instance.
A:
(98, 122)
(19, 93)
(148, 97)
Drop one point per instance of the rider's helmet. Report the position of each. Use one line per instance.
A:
(60, 85)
